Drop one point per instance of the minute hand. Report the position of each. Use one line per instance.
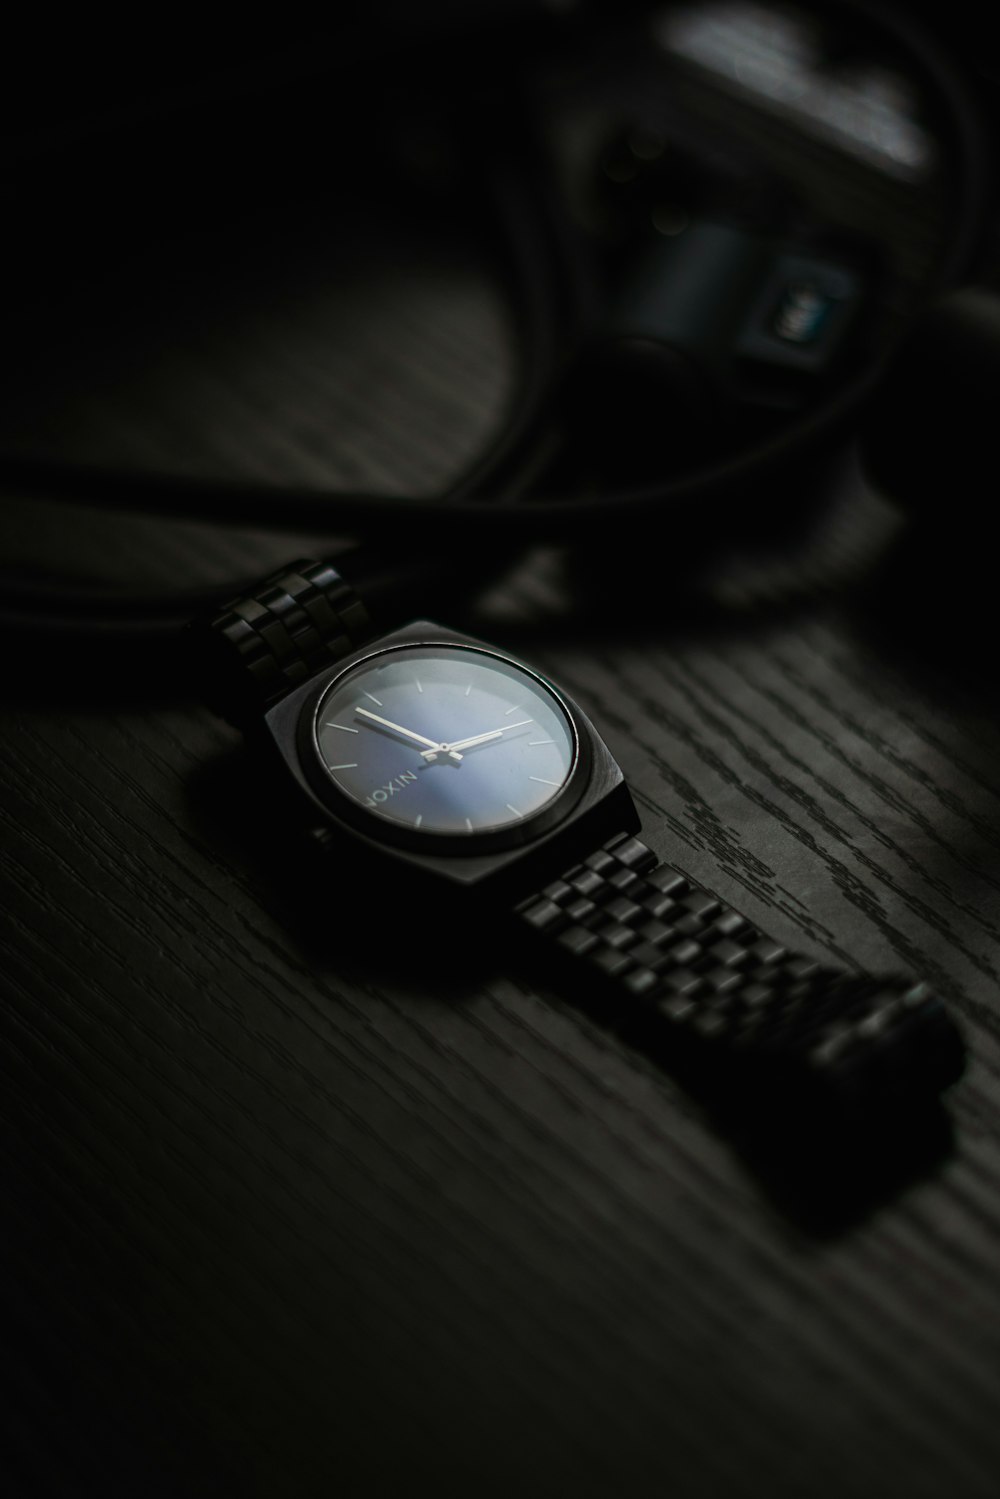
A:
(432, 744)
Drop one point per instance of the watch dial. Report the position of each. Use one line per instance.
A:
(445, 739)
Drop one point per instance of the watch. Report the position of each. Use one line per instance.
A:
(448, 764)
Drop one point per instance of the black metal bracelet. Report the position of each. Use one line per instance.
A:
(707, 981)
(259, 646)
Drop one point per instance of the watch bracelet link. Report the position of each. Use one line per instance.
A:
(703, 978)
(277, 635)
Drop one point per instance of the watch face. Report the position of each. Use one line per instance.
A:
(445, 740)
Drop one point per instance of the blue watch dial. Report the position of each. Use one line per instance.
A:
(445, 739)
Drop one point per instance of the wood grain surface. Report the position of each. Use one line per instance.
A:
(304, 1196)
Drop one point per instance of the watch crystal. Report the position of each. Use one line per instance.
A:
(445, 739)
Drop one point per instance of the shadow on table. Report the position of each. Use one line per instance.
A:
(826, 1167)
(824, 1174)
(828, 1178)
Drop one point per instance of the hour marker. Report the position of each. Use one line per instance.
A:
(514, 810)
(353, 766)
(417, 680)
(345, 726)
(542, 781)
(467, 690)
(374, 699)
(420, 818)
(513, 710)
(532, 743)
(468, 824)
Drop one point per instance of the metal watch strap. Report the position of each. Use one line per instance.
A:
(700, 973)
(279, 634)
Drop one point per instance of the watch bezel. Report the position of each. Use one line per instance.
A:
(512, 835)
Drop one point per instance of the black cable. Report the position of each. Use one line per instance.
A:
(520, 210)
(536, 249)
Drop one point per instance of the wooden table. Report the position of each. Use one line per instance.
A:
(293, 1206)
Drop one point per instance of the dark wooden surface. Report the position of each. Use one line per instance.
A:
(301, 1199)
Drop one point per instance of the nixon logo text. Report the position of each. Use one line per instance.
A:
(383, 793)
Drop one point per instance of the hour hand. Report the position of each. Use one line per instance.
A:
(461, 744)
(433, 747)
